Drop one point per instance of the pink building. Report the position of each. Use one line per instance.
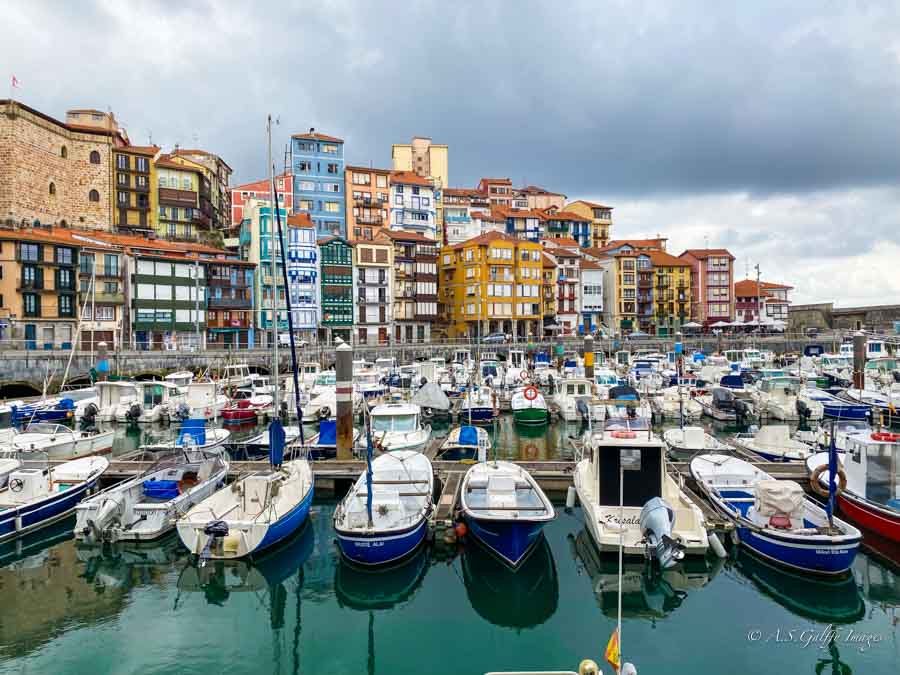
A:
(712, 284)
(261, 189)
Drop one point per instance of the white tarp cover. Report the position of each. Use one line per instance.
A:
(431, 396)
(778, 497)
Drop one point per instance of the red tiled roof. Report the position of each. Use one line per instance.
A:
(166, 161)
(205, 153)
(747, 288)
(299, 220)
(548, 261)
(701, 253)
(590, 265)
(149, 150)
(364, 169)
(769, 284)
(592, 205)
(257, 185)
(463, 192)
(406, 235)
(487, 238)
(409, 178)
(568, 215)
(318, 137)
(663, 259)
(494, 181)
(561, 241)
(535, 190)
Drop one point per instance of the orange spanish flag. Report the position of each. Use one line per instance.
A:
(612, 650)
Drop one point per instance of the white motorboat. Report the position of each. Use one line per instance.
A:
(111, 396)
(201, 400)
(192, 435)
(250, 515)
(644, 478)
(686, 442)
(398, 426)
(575, 399)
(36, 497)
(773, 443)
(154, 401)
(777, 397)
(674, 403)
(624, 402)
(529, 407)
(236, 375)
(56, 441)
(180, 379)
(146, 507)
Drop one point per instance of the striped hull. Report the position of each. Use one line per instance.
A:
(533, 416)
(799, 553)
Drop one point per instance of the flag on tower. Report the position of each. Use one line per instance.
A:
(15, 82)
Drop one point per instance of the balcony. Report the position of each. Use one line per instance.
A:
(173, 197)
(101, 297)
(201, 220)
(369, 220)
(227, 282)
(369, 203)
(229, 303)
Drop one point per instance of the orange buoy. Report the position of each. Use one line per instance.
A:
(461, 530)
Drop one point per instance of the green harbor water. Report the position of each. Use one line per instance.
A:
(300, 609)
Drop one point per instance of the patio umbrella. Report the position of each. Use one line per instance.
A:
(720, 324)
(691, 324)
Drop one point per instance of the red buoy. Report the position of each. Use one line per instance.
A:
(460, 530)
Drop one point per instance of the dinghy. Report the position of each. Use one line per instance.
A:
(774, 519)
(686, 442)
(505, 509)
(192, 434)
(384, 517)
(253, 513)
(146, 507)
(465, 444)
(774, 444)
(35, 497)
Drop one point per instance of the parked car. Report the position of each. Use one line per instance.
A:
(495, 338)
(284, 340)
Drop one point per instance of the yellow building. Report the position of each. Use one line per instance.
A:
(600, 216)
(178, 187)
(202, 217)
(671, 293)
(548, 290)
(492, 284)
(428, 160)
(134, 195)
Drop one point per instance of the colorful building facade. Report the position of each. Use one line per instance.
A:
(317, 163)
(373, 281)
(415, 295)
(600, 217)
(413, 206)
(712, 285)
(336, 289)
(368, 202)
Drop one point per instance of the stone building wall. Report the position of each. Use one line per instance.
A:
(32, 157)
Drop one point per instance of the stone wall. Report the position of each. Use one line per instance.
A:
(31, 158)
(824, 316)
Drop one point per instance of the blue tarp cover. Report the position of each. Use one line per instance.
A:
(328, 432)
(468, 436)
(196, 429)
(732, 382)
(161, 489)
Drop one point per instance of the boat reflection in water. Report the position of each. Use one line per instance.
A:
(647, 592)
(820, 599)
(878, 579)
(523, 598)
(377, 588)
(128, 564)
(218, 579)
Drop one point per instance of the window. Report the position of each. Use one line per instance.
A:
(141, 164)
(332, 207)
(381, 181)
(329, 148)
(30, 304)
(65, 280)
(63, 152)
(333, 168)
(141, 181)
(305, 205)
(303, 166)
(122, 198)
(186, 183)
(94, 196)
(64, 255)
(95, 157)
(163, 212)
(122, 162)
(66, 306)
(52, 189)
(106, 313)
(306, 186)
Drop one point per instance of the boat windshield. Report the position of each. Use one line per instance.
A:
(606, 379)
(394, 423)
(882, 473)
(43, 428)
(626, 423)
(326, 379)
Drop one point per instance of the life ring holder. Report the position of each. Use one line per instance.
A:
(816, 485)
(530, 393)
(530, 451)
(523, 375)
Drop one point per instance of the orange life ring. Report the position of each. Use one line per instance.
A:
(886, 437)
(816, 485)
(530, 451)
(530, 393)
(624, 434)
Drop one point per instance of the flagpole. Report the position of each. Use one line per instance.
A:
(621, 547)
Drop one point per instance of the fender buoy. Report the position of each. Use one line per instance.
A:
(530, 451)
(530, 393)
(624, 434)
(816, 485)
(886, 437)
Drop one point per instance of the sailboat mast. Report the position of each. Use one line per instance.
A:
(273, 276)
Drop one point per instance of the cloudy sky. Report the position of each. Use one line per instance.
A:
(771, 129)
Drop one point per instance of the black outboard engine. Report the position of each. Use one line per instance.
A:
(803, 413)
(896, 375)
(89, 417)
(134, 412)
(741, 411)
(183, 411)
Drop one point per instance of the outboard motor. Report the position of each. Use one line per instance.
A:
(657, 519)
(896, 375)
(108, 515)
(582, 409)
(134, 412)
(803, 413)
(741, 411)
(182, 411)
(215, 531)
(89, 417)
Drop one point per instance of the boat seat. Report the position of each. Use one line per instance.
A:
(478, 483)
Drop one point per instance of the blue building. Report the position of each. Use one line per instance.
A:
(565, 224)
(317, 162)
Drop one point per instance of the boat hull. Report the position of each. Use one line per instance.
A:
(510, 540)
(880, 521)
(531, 416)
(478, 415)
(381, 548)
(287, 524)
(795, 553)
(17, 521)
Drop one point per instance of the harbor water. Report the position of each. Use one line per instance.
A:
(301, 609)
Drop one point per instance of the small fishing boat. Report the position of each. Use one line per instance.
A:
(255, 512)
(258, 446)
(720, 404)
(686, 442)
(146, 507)
(574, 397)
(885, 408)
(152, 403)
(529, 407)
(200, 399)
(478, 405)
(111, 396)
(431, 398)
(35, 497)
(505, 509)
(774, 519)
(398, 426)
(57, 441)
(192, 434)
(834, 407)
(598, 470)
(773, 443)
(384, 517)
(247, 409)
(465, 444)
(624, 402)
(871, 469)
(778, 397)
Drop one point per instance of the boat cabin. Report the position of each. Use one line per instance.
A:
(155, 393)
(623, 358)
(873, 469)
(236, 373)
(462, 356)
(387, 364)
(201, 394)
(788, 385)
(361, 364)
(490, 369)
(180, 379)
(516, 358)
(392, 417)
(640, 455)
(110, 394)
(308, 370)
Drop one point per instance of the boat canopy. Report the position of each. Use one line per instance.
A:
(468, 436)
(623, 393)
(430, 395)
(193, 428)
(328, 432)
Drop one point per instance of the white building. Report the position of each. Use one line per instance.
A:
(592, 290)
(568, 278)
(412, 204)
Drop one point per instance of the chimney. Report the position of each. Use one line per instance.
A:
(312, 130)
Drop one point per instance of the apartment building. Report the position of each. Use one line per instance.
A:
(317, 164)
(373, 281)
(415, 295)
(368, 202)
(712, 285)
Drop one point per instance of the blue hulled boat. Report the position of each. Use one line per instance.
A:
(774, 519)
(836, 408)
(505, 509)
